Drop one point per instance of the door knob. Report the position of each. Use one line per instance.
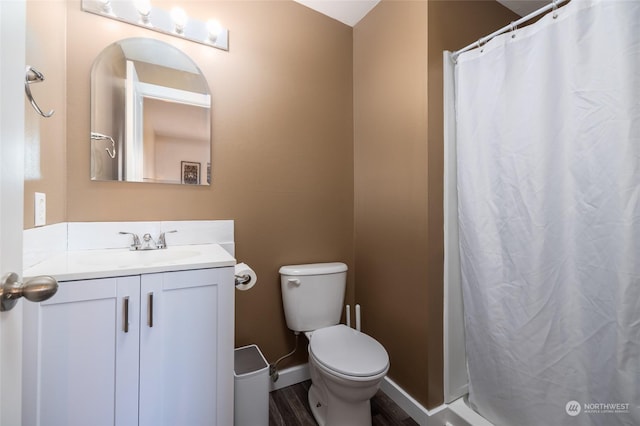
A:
(35, 289)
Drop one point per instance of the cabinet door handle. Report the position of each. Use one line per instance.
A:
(125, 309)
(150, 310)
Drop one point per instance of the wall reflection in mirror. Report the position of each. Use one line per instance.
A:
(150, 115)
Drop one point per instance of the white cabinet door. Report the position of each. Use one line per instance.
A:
(127, 351)
(84, 370)
(186, 348)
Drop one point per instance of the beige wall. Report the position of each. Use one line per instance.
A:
(46, 138)
(282, 144)
(390, 128)
(398, 147)
(320, 133)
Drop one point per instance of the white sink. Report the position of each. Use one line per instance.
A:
(118, 262)
(122, 258)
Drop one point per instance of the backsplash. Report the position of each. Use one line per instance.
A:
(44, 242)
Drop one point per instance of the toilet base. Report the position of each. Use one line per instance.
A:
(318, 405)
(340, 413)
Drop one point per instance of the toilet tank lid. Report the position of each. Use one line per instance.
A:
(314, 269)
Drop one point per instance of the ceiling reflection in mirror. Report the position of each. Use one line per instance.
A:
(150, 115)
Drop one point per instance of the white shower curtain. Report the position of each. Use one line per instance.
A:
(548, 168)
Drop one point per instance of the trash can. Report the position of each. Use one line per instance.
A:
(251, 392)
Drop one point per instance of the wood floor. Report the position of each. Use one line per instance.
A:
(289, 407)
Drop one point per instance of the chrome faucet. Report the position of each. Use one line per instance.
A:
(148, 242)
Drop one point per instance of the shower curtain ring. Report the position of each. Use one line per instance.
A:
(555, 8)
(481, 42)
(512, 29)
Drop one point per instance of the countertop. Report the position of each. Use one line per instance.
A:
(89, 264)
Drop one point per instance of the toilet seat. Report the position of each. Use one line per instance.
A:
(349, 352)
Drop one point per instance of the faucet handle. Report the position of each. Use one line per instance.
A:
(162, 242)
(136, 240)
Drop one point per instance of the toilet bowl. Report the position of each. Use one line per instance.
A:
(346, 365)
(346, 368)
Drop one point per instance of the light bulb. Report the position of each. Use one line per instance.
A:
(144, 9)
(213, 28)
(106, 5)
(179, 18)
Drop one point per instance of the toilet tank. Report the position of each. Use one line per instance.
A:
(313, 294)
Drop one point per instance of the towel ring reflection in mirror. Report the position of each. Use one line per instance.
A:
(100, 137)
(34, 76)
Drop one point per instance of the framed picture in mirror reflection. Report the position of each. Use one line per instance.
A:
(190, 172)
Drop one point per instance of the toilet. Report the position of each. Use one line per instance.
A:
(346, 365)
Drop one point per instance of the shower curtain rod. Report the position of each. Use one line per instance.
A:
(551, 6)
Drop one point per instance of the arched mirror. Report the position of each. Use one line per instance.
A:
(150, 115)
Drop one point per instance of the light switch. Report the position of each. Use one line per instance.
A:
(40, 209)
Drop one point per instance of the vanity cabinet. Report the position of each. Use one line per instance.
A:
(150, 350)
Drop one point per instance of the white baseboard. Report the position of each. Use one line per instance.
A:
(438, 416)
(405, 401)
(411, 406)
(463, 414)
(291, 376)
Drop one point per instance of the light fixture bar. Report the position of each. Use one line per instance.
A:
(158, 20)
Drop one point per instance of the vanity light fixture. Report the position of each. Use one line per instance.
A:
(175, 22)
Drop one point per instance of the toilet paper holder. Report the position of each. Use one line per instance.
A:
(245, 277)
(242, 279)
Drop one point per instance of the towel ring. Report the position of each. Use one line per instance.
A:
(34, 76)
